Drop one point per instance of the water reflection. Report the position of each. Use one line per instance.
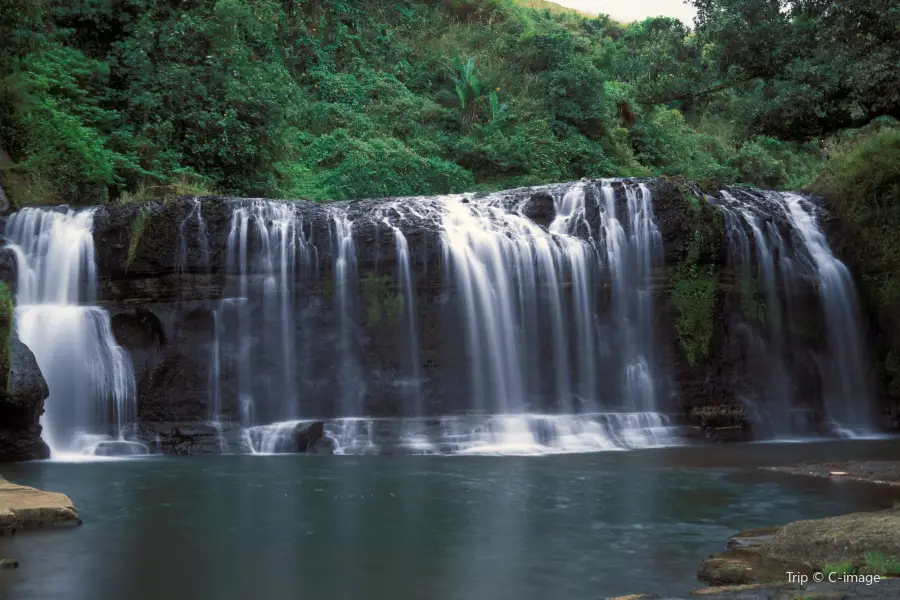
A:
(383, 528)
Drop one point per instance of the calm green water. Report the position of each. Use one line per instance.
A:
(435, 528)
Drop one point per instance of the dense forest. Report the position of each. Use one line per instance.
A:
(327, 99)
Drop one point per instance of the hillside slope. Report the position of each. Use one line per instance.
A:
(330, 99)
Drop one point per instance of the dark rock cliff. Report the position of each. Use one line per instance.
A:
(172, 288)
(162, 278)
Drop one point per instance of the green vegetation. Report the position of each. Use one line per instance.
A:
(694, 282)
(879, 564)
(381, 301)
(876, 564)
(138, 226)
(846, 568)
(6, 324)
(327, 99)
(862, 182)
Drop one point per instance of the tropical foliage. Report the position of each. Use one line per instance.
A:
(329, 99)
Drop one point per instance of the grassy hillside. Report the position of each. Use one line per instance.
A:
(329, 99)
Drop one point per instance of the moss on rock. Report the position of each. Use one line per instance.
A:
(381, 301)
(6, 324)
(693, 285)
(138, 226)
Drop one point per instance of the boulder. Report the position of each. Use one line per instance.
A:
(21, 406)
(540, 208)
(308, 435)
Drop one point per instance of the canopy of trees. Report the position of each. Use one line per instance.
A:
(330, 99)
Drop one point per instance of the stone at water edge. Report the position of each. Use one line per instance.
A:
(21, 405)
(23, 507)
(8, 563)
(308, 435)
(764, 556)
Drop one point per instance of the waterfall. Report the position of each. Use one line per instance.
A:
(414, 401)
(847, 389)
(90, 377)
(202, 242)
(352, 386)
(763, 267)
(630, 257)
(778, 251)
(518, 284)
(265, 245)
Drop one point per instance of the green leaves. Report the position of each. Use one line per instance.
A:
(468, 89)
(336, 99)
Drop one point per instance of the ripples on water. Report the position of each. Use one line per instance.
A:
(397, 528)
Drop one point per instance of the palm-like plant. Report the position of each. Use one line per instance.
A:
(468, 89)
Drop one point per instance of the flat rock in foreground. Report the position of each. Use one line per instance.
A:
(804, 547)
(23, 507)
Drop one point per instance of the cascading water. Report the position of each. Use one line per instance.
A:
(265, 245)
(763, 267)
(630, 259)
(202, 236)
(352, 388)
(526, 302)
(778, 250)
(90, 377)
(518, 284)
(847, 389)
(414, 435)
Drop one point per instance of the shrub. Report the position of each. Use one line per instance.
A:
(862, 179)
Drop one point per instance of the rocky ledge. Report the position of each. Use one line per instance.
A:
(24, 507)
(781, 563)
(886, 472)
(764, 556)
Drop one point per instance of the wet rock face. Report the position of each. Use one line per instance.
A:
(21, 406)
(164, 273)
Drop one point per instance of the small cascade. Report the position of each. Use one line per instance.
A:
(779, 252)
(414, 402)
(90, 377)
(524, 434)
(763, 267)
(502, 265)
(585, 269)
(193, 235)
(352, 386)
(531, 300)
(630, 257)
(195, 217)
(265, 246)
(277, 438)
(215, 370)
(847, 388)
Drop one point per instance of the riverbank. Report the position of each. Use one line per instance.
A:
(884, 590)
(23, 507)
(860, 552)
(782, 562)
(883, 472)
